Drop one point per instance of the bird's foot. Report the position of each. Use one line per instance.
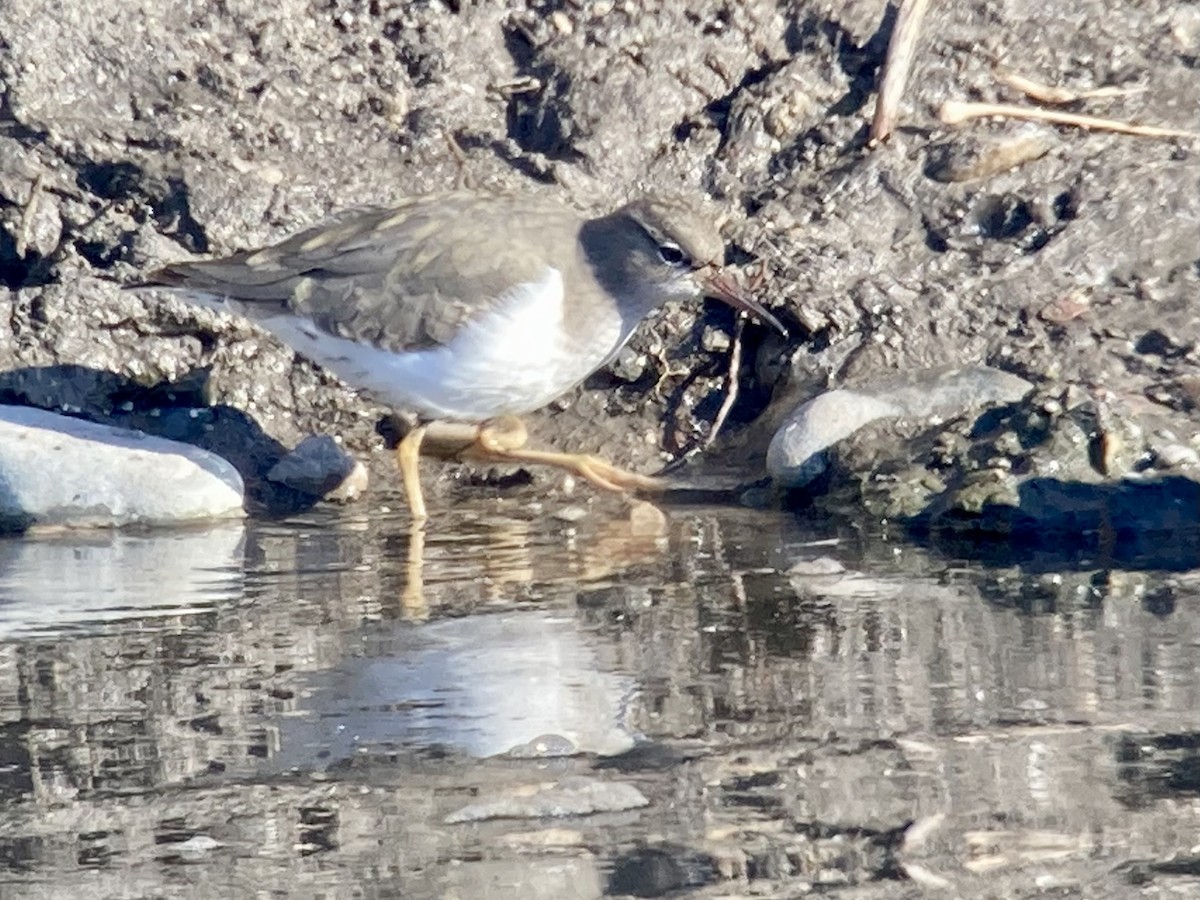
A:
(503, 440)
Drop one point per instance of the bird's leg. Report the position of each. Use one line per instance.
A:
(503, 440)
(408, 455)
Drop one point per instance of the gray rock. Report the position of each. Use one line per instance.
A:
(544, 746)
(59, 471)
(1176, 456)
(320, 467)
(795, 456)
(575, 796)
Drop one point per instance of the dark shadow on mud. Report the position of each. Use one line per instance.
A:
(176, 410)
(1151, 524)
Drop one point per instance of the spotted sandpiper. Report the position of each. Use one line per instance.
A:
(472, 308)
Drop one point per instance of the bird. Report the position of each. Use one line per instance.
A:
(473, 307)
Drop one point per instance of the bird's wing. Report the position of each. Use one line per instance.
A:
(403, 278)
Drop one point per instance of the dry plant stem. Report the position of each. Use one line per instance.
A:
(1047, 93)
(955, 112)
(731, 385)
(900, 53)
(465, 180)
(27, 213)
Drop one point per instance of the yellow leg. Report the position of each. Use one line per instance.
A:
(503, 440)
(408, 455)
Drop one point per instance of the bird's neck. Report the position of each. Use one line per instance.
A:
(607, 245)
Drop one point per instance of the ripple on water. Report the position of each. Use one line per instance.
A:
(336, 685)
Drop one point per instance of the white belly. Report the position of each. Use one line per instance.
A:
(513, 360)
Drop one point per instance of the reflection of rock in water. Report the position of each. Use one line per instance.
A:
(77, 579)
(511, 682)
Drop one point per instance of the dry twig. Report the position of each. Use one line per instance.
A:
(731, 387)
(27, 214)
(955, 112)
(1058, 96)
(901, 50)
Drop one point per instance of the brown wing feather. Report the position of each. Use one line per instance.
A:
(401, 278)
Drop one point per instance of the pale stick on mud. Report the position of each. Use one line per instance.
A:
(955, 112)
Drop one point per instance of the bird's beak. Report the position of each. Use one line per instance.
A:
(724, 287)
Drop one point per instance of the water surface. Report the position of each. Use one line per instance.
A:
(519, 704)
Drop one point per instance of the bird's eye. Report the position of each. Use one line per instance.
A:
(672, 255)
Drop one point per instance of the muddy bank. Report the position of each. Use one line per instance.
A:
(1077, 269)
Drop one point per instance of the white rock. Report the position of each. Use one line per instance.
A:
(796, 454)
(57, 470)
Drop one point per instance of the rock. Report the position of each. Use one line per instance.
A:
(574, 796)
(628, 365)
(1176, 456)
(969, 157)
(715, 340)
(1068, 471)
(545, 746)
(794, 456)
(571, 514)
(320, 467)
(59, 471)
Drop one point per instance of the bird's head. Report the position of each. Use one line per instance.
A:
(657, 249)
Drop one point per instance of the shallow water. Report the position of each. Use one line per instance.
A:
(519, 705)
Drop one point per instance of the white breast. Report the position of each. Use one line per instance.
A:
(514, 359)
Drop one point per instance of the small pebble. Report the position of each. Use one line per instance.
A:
(562, 24)
(629, 365)
(715, 340)
(822, 565)
(1176, 456)
(571, 514)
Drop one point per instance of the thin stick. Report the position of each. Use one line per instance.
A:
(27, 213)
(955, 112)
(1054, 95)
(896, 66)
(465, 180)
(731, 387)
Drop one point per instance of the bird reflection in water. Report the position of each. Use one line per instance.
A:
(508, 555)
